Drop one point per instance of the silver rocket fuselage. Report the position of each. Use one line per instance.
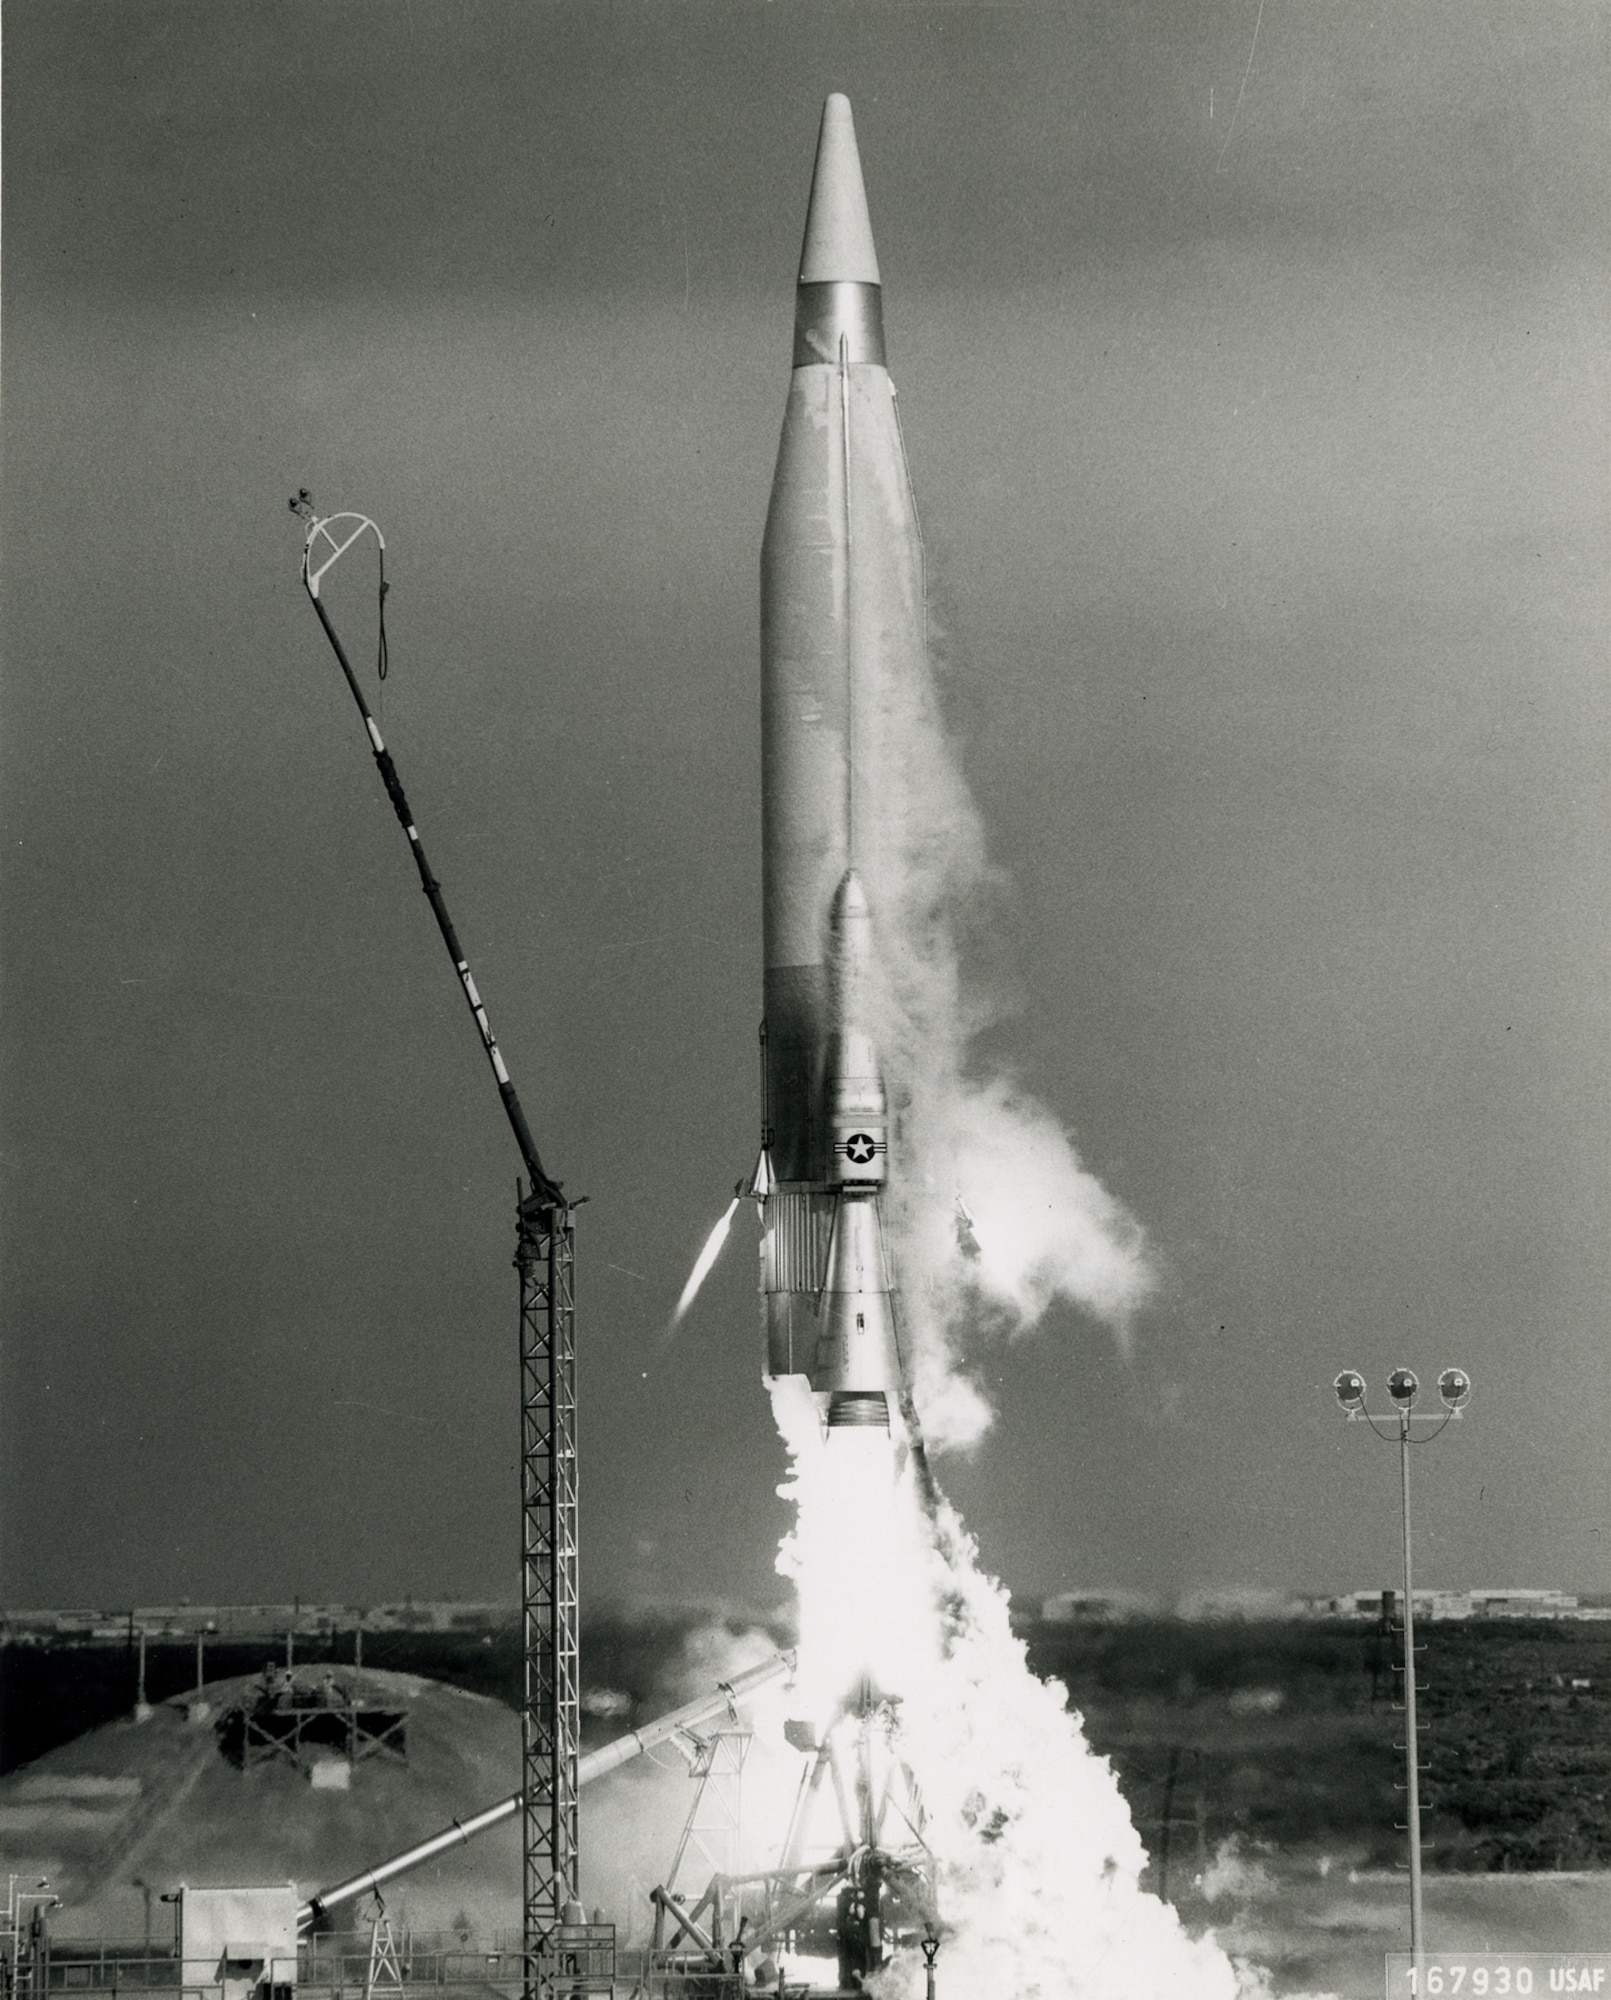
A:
(842, 622)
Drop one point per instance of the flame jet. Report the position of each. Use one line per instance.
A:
(841, 621)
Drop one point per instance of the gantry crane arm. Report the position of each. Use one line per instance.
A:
(550, 1715)
(328, 540)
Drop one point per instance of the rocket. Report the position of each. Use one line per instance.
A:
(842, 615)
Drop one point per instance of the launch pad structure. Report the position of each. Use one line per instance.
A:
(851, 1899)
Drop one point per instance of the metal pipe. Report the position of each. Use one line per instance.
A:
(683, 1920)
(624, 1748)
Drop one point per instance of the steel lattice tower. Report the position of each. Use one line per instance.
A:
(550, 1714)
(550, 1717)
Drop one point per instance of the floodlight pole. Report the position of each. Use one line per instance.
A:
(1454, 1387)
(1412, 1754)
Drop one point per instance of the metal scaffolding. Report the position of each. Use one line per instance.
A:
(550, 1713)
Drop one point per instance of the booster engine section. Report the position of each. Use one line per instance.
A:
(857, 1367)
(841, 617)
(858, 1112)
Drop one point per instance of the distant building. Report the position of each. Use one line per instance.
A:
(1522, 1604)
(251, 1621)
(1437, 1605)
(1237, 1605)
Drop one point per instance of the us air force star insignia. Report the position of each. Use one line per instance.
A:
(860, 1148)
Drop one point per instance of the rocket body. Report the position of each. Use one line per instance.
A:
(842, 624)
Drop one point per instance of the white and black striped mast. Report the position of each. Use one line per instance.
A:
(545, 1259)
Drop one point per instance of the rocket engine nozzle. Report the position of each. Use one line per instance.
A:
(858, 1409)
(856, 1361)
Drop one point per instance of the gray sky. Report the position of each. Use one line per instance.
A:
(1255, 393)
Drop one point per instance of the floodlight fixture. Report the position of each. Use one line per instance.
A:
(1454, 1386)
(1403, 1386)
(1350, 1388)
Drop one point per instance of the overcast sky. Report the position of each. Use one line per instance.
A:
(1251, 360)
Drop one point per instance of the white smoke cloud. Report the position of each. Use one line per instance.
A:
(1037, 1864)
(992, 1215)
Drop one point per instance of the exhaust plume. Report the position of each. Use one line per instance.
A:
(704, 1264)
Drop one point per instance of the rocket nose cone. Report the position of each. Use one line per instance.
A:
(838, 246)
